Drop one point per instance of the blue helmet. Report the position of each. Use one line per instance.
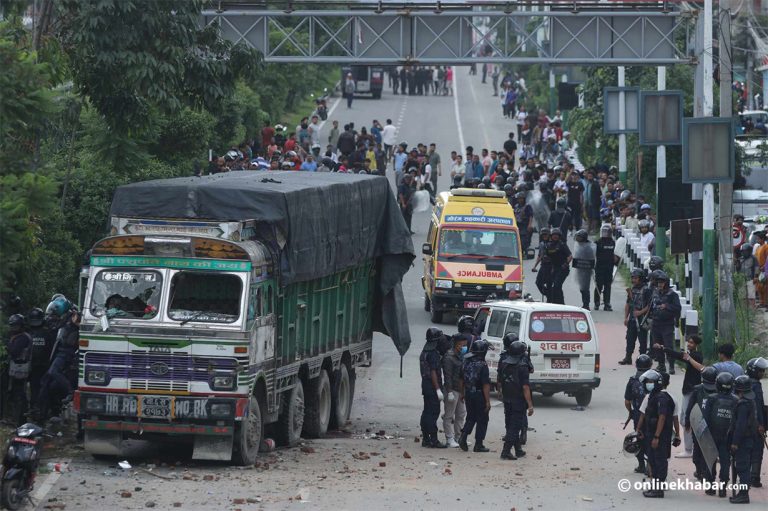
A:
(58, 307)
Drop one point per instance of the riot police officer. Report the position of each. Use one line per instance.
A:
(559, 256)
(665, 308)
(542, 284)
(635, 311)
(476, 392)
(18, 347)
(605, 260)
(524, 217)
(634, 393)
(718, 416)
(743, 434)
(560, 218)
(756, 371)
(430, 365)
(42, 344)
(699, 397)
(466, 328)
(584, 264)
(512, 377)
(656, 423)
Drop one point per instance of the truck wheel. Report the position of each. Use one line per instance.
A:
(584, 397)
(291, 419)
(317, 409)
(341, 399)
(248, 435)
(426, 303)
(435, 316)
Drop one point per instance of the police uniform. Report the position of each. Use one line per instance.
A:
(663, 327)
(42, 345)
(513, 374)
(429, 361)
(634, 392)
(719, 416)
(743, 436)
(584, 264)
(60, 378)
(604, 262)
(523, 214)
(18, 349)
(659, 403)
(557, 252)
(474, 373)
(638, 298)
(757, 445)
(700, 397)
(542, 280)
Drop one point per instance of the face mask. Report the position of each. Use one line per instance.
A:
(464, 350)
(649, 387)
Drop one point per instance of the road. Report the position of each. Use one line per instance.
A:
(574, 457)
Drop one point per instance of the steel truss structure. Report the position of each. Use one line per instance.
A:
(598, 37)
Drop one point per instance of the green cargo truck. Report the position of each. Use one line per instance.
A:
(223, 306)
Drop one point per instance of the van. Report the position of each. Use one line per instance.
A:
(562, 340)
(472, 253)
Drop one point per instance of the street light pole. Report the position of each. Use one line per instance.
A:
(622, 135)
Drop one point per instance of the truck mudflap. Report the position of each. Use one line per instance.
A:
(161, 408)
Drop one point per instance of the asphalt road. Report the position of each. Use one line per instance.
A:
(574, 457)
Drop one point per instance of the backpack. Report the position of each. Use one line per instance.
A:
(637, 391)
(349, 87)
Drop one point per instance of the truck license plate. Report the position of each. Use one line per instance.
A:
(472, 305)
(561, 363)
(155, 407)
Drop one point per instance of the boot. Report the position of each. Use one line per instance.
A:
(756, 482)
(424, 439)
(597, 300)
(608, 308)
(711, 492)
(506, 453)
(722, 492)
(434, 442)
(741, 498)
(519, 452)
(640, 468)
(653, 494)
(463, 442)
(479, 447)
(661, 368)
(627, 360)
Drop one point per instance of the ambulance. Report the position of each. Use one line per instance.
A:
(472, 254)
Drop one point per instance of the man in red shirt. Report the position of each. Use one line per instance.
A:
(267, 133)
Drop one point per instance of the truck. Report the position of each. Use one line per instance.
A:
(222, 307)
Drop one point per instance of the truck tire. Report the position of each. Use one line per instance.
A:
(435, 316)
(584, 397)
(426, 303)
(291, 419)
(317, 407)
(248, 435)
(341, 398)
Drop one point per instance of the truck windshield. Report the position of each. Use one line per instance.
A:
(127, 294)
(476, 243)
(205, 297)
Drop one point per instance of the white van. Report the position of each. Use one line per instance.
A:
(562, 339)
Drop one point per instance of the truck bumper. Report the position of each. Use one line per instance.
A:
(569, 387)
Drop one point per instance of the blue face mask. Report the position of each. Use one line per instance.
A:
(464, 350)
(649, 387)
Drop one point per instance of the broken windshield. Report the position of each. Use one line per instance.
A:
(127, 294)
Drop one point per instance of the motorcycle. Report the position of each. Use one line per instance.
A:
(20, 463)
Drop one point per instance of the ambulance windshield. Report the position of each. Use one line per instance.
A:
(483, 244)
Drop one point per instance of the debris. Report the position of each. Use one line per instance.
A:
(108, 473)
(253, 500)
(207, 477)
(447, 471)
(381, 433)
(177, 504)
(382, 464)
(167, 478)
(538, 457)
(307, 449)
(406, 455)
(586, 499)
(578, 408)
(189, 477)
(138, 488)
(126, 494)
(558, 431)
(238, 501)
(124, 465)
(361, 456)
(432, 464)
(416, 439)
(268, 445)
(575, 468)
(54, 506)
(150, 503)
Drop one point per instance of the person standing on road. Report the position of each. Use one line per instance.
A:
(634, 394)
(605, 260)
(756, 368)
(665, 307)
(431, 384)
(542, 284)
(575, 196)
(635, 311)
(449, 80)
(584, 263)
(434, 163)
(394, 76)
(513, 380)
(18, 348)
(560, 259)
(524, 217)
(333, 136)
(743, 434)
(43, 339)
(475, 385)
(349, 89)
(399, 158)
(405, 198)
(455, 411)
(560, 218)
(388, 134)
(656, 423)
(699, 397)
(718, 416)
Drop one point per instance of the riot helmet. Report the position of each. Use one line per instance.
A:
(581, 235)
(651, 380)
(655, 263)
(517, 349)
(508, 189)
(466, 324)
(560, 203)
(479, 347)
(643, 362)
(434, 334)
(639, 273)
(555, 232)
(58, 307)
(724, 383)
(16, 322)
(511, 181)
(544, 231)
(756, 367)
(709, 379)
(520, 195)
(509, 339)
(487, 181)
(632, 444)
(605, 231)
(36, 317)
(742, 384)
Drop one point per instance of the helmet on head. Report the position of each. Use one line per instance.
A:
(742, 384)
(582, 235)
(520, 195)
(605, 231)
(662, 277)
(624, 195)
(724, 383)
(644, 224)
(756, 367)
(709, 378)
(480, 347)
(555, 232)
(643, 362)
(16, 321)
(486, 180)
(508, 188)
(481, 186)
(561, 202)
(655, 263)
(746, 249)
(651, 377)
(465, 324)
(36, 317)
(511, 181)
(58, 307)
(544, 231)
(655, 274)
(434, 334)
(639, 273)
(509, 339)
(632, 444)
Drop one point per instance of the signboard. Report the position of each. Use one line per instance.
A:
(611, 110)
(171, 262)
(661, 117)
(559, 326)
(469, 219)
(708, 152)
(687, 235)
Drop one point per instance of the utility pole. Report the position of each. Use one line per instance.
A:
(661, 172)
(552, 91)
(622, 136)
(726, 313)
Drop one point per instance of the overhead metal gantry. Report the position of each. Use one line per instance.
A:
(649, 33)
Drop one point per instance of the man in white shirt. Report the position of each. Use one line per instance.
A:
(647, 239)
(314, 131)
(388, 134)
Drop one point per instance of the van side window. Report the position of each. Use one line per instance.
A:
(513, 323)
(431, 234)
(496, 324)
(480, 318)
(439, 210)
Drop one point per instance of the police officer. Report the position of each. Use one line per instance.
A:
(665, 308)
(430, 364)
(584, 263)
(542, 284)
(512, 374)
(560, 258)
(524, 217)
(699, 397)
(476, 392)
(605, 260)
(743, 434)
(18, 347)
(655, 263)
(466, 328)
(42, 344)
(718, 416)
(635, 310)
(756, 371)
(509, 192)
(634, 393)
(560, 218)
(656, 424)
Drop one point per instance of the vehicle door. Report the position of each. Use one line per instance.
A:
(430, 255)
(563, 345)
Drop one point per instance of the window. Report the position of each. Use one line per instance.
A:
(480, 318)
(254, 303)
(513, 323)
(205, 297)
(496, 324)
(472, 244)
(126, 294)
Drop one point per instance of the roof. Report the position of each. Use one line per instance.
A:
(535, 306)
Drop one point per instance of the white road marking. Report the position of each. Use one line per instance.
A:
(49, 481)
(456, 110)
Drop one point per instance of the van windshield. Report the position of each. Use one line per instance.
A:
(559, 326)
(484, 244)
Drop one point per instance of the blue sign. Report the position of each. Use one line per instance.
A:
(463, 219)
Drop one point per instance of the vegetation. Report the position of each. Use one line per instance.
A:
(98, 93)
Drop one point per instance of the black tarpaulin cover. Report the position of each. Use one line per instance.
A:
(329, 222)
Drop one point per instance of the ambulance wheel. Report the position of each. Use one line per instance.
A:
(435, 316)
(426, 303)
(584, 397)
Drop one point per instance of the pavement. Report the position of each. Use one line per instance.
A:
(574, 457)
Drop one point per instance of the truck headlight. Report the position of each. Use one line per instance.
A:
(94, 404)
(96, 377)
(513, 286)
(223, 382)
(444, 284)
